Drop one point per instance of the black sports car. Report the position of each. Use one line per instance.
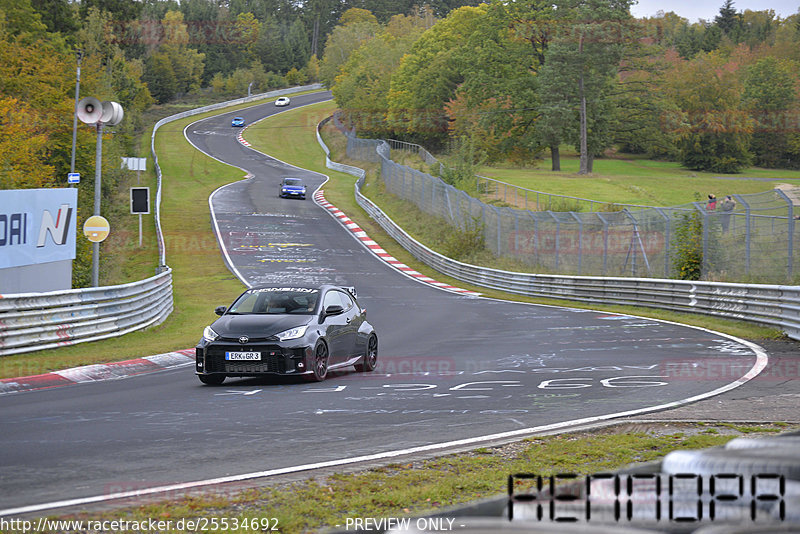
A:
(289, 331)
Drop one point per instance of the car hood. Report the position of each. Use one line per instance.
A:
(293, 187)
(257, 325)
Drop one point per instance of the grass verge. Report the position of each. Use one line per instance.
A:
(630, 179)
(415, 487)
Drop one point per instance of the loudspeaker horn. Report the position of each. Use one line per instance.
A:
(90, 110)
(112, 113)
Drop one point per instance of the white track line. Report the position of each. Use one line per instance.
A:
(761, 362)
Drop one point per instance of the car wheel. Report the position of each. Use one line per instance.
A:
(320, 364)
(370, 357)
(212, 380)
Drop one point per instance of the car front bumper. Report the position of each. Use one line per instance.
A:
(276, 358)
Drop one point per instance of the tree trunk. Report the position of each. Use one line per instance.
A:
(590, 166)
(584, 168)
(555, 156)
(315, 37)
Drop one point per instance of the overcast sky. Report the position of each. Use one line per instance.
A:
(705, 9)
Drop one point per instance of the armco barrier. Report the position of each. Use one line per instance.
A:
(772, 305)
(37, 321)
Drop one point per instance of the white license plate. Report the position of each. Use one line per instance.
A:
(242, 355)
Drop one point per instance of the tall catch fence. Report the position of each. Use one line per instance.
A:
(759, 239)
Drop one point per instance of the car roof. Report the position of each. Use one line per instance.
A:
(320, 287)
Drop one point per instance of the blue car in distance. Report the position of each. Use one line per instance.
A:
(237, 121)
(292, 188)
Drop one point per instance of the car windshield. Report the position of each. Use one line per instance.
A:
(293, 181)
(276, 300)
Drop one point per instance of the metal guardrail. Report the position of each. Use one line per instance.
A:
(38, 321)
(772, 305)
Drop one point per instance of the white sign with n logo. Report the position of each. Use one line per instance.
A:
(37, 226)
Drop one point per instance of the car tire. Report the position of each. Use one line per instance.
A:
(212, 380)
(370, 356)
(319, 367)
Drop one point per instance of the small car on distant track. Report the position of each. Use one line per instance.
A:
(304, 330)
(283, 101)
(237, 121)
(292, 187)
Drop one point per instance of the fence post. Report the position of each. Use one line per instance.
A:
(790, 231)
(558, 228)
(699, 207)
(744, 203)
(580, 239)
(666, 240)
(605, 242)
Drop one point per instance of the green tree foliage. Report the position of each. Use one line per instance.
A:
(429, 75)
(688, 246)
(581, 63)
(174, 67)
(356, 27)
(770, 97)
(496, 103)
(714, 134)
(57, 16)
(362, 87)
(297, 45)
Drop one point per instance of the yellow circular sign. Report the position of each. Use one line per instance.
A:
(96, 228)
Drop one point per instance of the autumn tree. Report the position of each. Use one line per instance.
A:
(428, 76)
(356, 27)
(771, 99)
(362, 87)
(714, 134)
(580, 65)
(174, 67)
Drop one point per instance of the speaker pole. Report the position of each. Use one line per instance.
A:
(79, 55)
(98, 162)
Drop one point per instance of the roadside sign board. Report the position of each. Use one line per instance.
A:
(134, 164)
(73, 177)
(140, 200)
(96, 228)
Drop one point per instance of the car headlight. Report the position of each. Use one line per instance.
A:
(209, 334)
(292, 333)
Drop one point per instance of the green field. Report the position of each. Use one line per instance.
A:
(626, 179)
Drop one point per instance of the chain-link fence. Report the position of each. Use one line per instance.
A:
(756, 238)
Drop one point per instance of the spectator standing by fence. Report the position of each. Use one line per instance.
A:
(728, 205)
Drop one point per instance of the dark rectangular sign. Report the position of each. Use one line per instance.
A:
(140, 200)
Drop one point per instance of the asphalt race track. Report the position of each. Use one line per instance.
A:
(451, 367)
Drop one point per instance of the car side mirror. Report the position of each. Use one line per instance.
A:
(333, 309)
(219, 310)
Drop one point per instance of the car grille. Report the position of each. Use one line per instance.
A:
(272, 360)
